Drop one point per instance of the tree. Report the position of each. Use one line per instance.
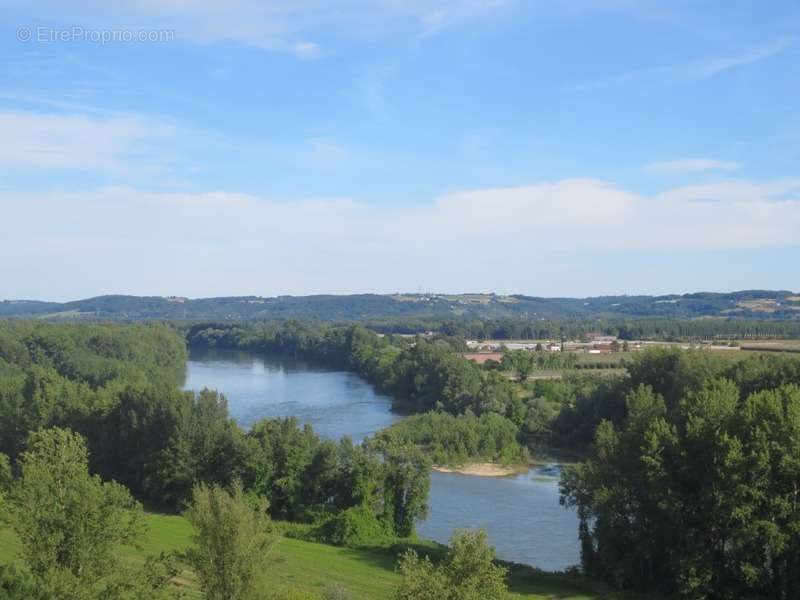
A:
(695, 492)
(70, 524)
(6, 478)
(206, 445)
(407, 485)
(468, 572)
(524, 366)
(64, 517)
(232, 539)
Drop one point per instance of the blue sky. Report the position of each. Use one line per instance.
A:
(551, 148)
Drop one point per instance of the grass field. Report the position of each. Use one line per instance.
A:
(310, 567)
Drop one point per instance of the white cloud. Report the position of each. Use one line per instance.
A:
(689, 165)
(77, 142)
(125, 240)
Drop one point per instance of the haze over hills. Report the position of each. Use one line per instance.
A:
(760, 304)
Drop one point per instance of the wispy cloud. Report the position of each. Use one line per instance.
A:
(697, 70)
(689, 165)
(703, 69)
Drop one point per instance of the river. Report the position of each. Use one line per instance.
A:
(521, 514)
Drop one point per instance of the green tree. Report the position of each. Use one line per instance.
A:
(6, 476)
(65, 517)
(406, 487)
(468, 572)
(206, 445)
(70, 524)
(695, 494)
(232, 540)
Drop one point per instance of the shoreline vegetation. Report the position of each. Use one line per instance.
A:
(483, 469)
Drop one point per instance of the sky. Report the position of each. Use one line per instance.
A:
(551, 148)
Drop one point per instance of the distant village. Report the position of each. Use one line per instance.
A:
(481, 351)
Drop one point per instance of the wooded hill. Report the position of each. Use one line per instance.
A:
(753, 304)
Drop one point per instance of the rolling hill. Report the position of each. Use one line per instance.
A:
(753, 304)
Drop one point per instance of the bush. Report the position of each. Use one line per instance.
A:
(357, 526)
(468, 572)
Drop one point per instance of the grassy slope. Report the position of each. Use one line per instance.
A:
(312, 567)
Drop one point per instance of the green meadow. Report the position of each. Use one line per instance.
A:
(309, 567)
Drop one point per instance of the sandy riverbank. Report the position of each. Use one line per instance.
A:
(483, 469)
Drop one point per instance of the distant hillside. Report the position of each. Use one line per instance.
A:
(752, 304)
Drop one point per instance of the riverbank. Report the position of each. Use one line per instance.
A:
(483, 469)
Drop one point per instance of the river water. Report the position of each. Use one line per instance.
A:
(521, 514)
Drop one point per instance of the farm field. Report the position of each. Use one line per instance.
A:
(771, 346)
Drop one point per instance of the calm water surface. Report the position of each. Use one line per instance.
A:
(335, 403)
(521, 514)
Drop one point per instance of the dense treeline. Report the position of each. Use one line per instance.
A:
(658, 329)
(641, 328)
(692, 487)
(93, 354)
(118, 387)
(451, 440)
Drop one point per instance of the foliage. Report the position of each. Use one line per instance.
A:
(694, 491)
(357, 526)
(65, 517)
(71, 523)
(523, 363)
(467, 572)
(406, 488)
(451, 440)
(94, 354)
(206, 445)
(6, 475)
(232, 541)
